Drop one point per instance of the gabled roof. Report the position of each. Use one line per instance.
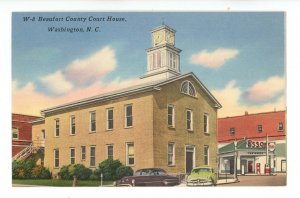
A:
(143, 87)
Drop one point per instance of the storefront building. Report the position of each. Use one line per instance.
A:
(253, 143)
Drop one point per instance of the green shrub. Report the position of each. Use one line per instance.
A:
(79, 170)
(64, 172)
(108, 168)
(22, 169)
(123, 171)
(40, 172)
(29, 165)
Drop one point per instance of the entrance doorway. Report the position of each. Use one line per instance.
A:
(250, 166)
(189, 158)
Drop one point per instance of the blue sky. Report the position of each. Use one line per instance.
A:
(250, 48)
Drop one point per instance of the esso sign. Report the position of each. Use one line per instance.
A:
(271, 146)
(255, 144)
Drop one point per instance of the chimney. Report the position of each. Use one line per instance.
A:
(246, 112)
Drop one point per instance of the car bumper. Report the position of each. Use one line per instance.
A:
(200, 182)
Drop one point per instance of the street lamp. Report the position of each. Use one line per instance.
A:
(235, 159)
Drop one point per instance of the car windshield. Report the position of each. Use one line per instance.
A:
(201, 170)
(150, 172)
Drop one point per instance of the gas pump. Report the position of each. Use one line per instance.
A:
(258, 168)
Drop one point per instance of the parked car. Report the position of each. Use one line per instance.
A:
(203, 175)
(148, 177)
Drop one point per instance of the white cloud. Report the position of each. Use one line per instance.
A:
(56, 83)
(214, 59)
(266, 90)
(87, 71)
(28, 100)
(230, 96)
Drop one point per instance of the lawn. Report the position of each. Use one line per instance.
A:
(59, 182)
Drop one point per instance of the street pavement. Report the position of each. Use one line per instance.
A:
(257, 180)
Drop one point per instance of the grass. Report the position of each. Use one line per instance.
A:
(59, 182)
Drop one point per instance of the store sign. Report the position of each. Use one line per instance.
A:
(255, 144)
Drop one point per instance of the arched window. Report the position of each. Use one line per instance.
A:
(188, 88)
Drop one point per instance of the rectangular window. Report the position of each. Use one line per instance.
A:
(43, 134)
(72, 155)
(171, 154)
(280, 126)
(189, 120)
(15, 133)
(93, 156)
(129, 154)
(206, 121)
(259, 128)
(206, 154)
(56, 158)
(110, 151)
(72, 125)
(56, 127)
(171, 116)
(93, 121)
(109, 119)
(83, 153)
(128, 116)
(232, 131)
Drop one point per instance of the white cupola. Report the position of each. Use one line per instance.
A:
(163, 59)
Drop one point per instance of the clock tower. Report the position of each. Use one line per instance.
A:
(163, 59)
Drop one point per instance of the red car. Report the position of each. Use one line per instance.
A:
(149, 177)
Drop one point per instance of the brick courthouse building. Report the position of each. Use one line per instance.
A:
(169, 120)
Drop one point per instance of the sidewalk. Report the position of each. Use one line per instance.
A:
(227, 181)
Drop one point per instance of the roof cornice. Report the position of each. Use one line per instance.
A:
(118, 94)
(97, 99)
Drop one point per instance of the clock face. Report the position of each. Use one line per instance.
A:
(170, 37)
(158, 37)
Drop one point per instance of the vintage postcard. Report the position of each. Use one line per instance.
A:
(178, 99)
